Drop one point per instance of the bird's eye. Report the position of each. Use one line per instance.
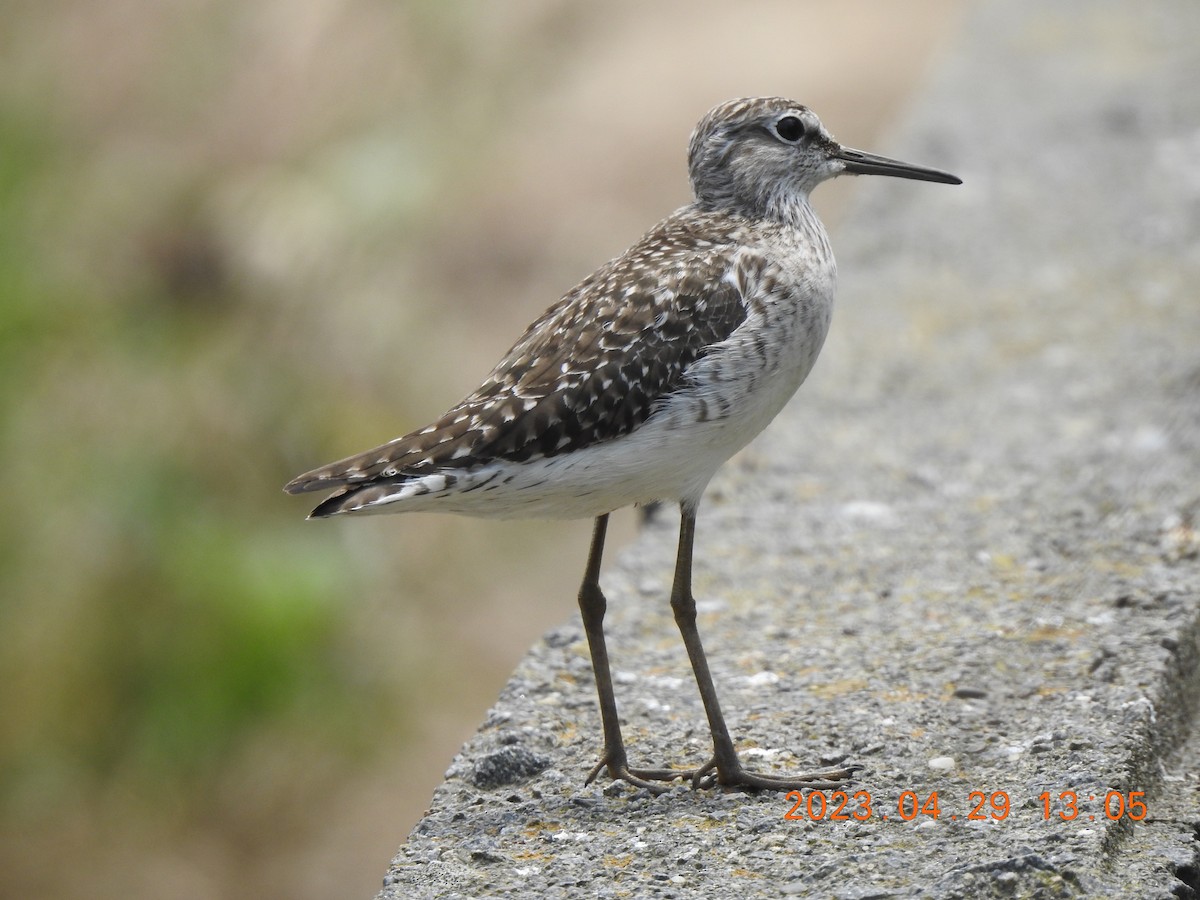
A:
(790, 128)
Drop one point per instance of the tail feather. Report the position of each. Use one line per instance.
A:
(335, 474)
(335, 503)
(380, 494)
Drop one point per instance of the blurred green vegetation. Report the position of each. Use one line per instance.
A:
(156, 610)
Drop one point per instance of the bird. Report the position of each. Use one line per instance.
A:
(641, 381)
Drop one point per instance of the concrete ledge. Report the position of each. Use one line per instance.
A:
(966, 557)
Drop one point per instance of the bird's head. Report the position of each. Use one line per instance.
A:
(763, 155)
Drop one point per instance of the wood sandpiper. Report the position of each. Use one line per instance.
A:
(639, 383)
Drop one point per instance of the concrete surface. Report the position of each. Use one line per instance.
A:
(965, 557)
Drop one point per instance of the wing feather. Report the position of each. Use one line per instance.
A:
(590, 369)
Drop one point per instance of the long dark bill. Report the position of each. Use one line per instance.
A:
(860, 163)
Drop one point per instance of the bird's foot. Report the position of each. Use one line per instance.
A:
(656, 781)
(733, 775)
(713, 774)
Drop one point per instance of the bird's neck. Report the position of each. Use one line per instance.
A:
(792, 210)
(788, 209)
(796, 224)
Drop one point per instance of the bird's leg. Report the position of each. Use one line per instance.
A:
(725, 768)
(592, 606)
(725, 762)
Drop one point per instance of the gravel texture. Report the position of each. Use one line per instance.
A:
(966, 557)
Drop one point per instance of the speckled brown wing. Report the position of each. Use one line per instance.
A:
(589, 369)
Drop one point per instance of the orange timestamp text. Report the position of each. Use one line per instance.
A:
(981, 806)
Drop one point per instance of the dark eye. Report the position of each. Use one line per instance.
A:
(790, 128)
